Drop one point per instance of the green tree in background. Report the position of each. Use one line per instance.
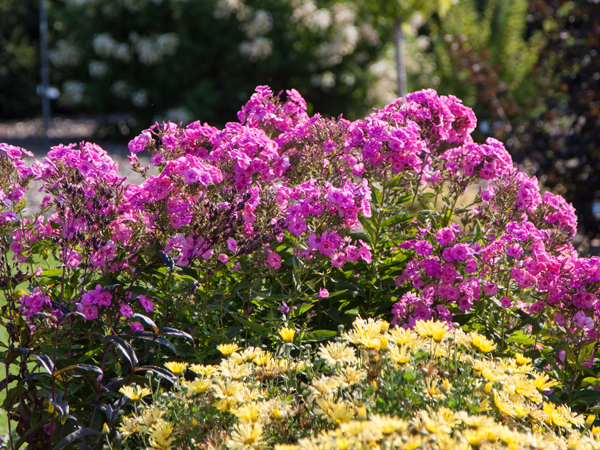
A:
(19, 56)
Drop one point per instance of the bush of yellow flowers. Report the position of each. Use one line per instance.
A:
(373, 387)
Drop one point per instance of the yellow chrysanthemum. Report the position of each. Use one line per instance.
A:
(176, 367)
(134, 393)
(504, 404)
(201, 369)
(227, 349)
(402, 336)
(482, 343)
(337, 353)
(247, 436)
(160, 435)
(543, 383)
(431, 329)
(522, 360)
(262, 359)
(335, 412)
(198, 386)
(287, 334)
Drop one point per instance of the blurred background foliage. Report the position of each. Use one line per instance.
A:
(529, 68)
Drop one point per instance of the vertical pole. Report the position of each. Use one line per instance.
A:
(400, 62)
(44, 71)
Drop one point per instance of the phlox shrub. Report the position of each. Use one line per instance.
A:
(280, 217)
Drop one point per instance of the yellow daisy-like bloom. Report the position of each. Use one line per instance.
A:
(543, 384)
(198, 386)
(249, 413)
(504, 404)
(262, 359)
(231, 369)
(403, 336)
(176, 367)
(400, 355)
(246, 356)
(227, 349)
(522, 360)
(526, 388)
(149, 418)
(337, 353)
(128, 427)
(229, 390)
(287, 334)
(160, 435)
(335, 412)
(351, 375)
(323, 386)
(431, 329)
(134, 393)
(388, 424)
(285, 447)
(482, 343)
(365, 333)
(247, 436)
(475, 437)
(201, 369)
(226, 404)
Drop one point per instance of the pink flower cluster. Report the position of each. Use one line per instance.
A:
(216, 194)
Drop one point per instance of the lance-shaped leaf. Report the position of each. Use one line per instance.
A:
(176, 332)
(123, 346)
(86, 367)
(74, 436)
(147, 336)
(46, 362)
(163, 373)
(147, 320)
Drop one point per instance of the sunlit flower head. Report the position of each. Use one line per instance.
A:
(431, 329)
(207, 371)
(227, 349)
(484, 344)
(134, 393)
(247, 436)
(287, 334)
(198, 386)
(337, 353)
(176, 367)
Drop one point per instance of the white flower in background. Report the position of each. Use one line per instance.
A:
(107, 47)
(383, 87)
(97, 69)
(325, 80)
(140, 98)
(64, 54)
(121, 89)
(72, 93)
(123, 53)
(151, 49)
(104, 45)
(260, 24)
(167, 43)
(258, 48)
(225, 8)
(369, 34)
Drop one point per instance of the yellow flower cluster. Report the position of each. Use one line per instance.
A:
(375, 387)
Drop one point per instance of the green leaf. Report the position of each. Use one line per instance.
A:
(86, 367)
(74, 436)
(253, 325)
(586, 352)
(318, 335)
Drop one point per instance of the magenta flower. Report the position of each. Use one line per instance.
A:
(323, 293)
